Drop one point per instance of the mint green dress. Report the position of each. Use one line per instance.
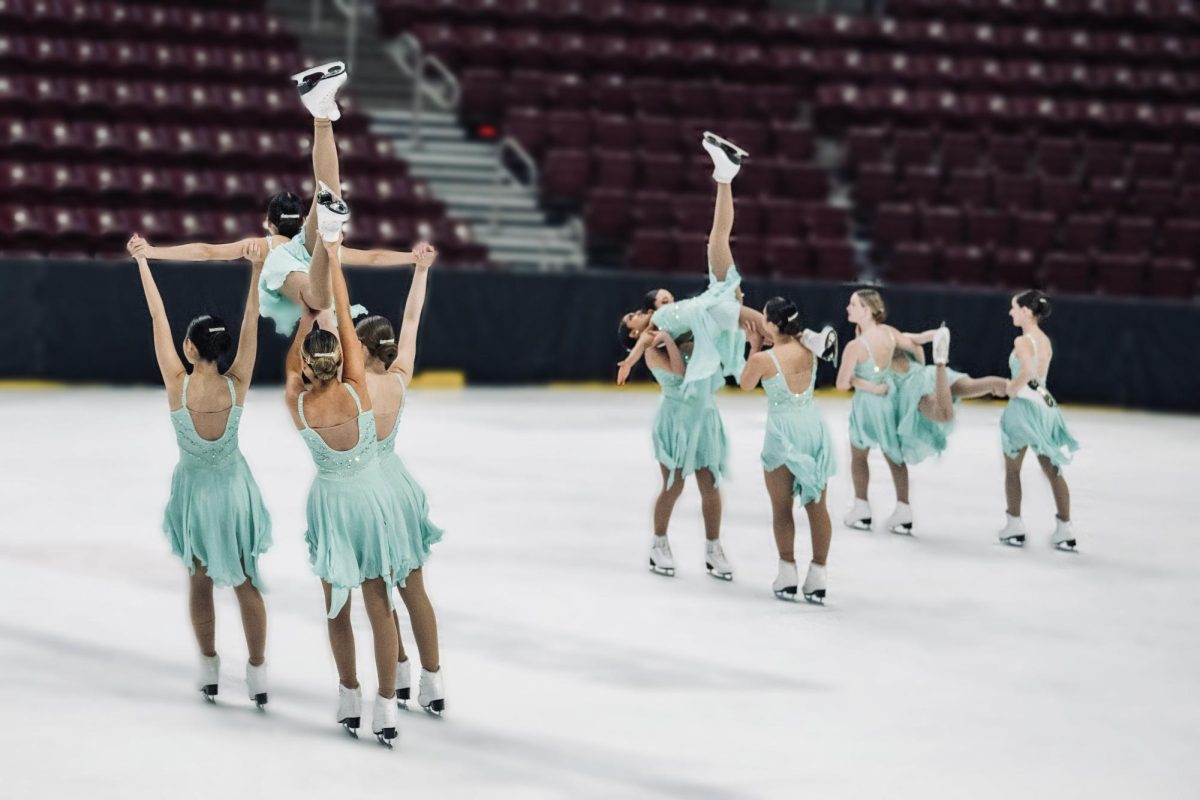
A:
(920, 437)
(1035, 425)
(688, 432)
(291, 256)
(355, 532)
(713, 320)
(872, 416)
(419, 532)
(216, 513)
(797, 437)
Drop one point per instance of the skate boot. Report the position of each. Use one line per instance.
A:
(1014, 531)
(814, 584)
(715, 561)
(318, 87)
(210, 670)
(1036, 393)
(1064, 536)
(822, 343)
(403, 684)
(786, 581)
(332, 213)
(727, 157)
(941, 345)
(901, 520)
(661, 560)
(859, 517)
(383, 719)
(431, 694)
(349, 712)
(256, 683)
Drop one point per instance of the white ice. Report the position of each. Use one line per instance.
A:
(945, 665)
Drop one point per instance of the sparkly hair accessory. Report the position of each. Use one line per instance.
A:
(289, 216)
(387, 341)
(323, 355)
(793, 316)
(216, 330)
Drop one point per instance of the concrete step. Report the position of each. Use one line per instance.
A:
(481, 218)
(429, 116)
(441, 135)
(488, 197)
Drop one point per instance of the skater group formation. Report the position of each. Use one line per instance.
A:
(368, 520)
(901, 405)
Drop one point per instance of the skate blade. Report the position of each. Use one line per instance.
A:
(435, 709)
(902, 530)
(726, 145)
(787, 595)
(319, 73)
(1013, 541)
(350, 724)
(385, 737)
(657, 570)
(858, 524)
(209, 692)
(1066, 547)
(402, 698)
(260, 700)
(816, 598)
(722, 576)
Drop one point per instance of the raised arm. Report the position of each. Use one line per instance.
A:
(911, 344)
(197, 251)
(164, 344)
(1023, 347)
(406, 342)
(243, 363)
(353, 365)
(380, 258)
(752, 373)
(674, 358)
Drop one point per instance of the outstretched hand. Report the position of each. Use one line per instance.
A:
(137, 246)
(252, 250)
(623, 370)
(424, 255)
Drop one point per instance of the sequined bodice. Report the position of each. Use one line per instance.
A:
(672, 385)
(193, 448)
(341, 463)
(780, 398)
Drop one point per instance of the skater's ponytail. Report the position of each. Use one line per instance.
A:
(783, 314)
(1036, 302)
(286, 214)
(378, 336)
(873, 300)
(322, 353)
(209, 336)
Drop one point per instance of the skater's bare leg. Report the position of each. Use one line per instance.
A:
(341, 641)
(938, 406)
(720, 256)
(200, 608)
(710, 504)
(424, 622)
(779, 488)
(325, 168)
(665, 503)
(1058, 485)
(254, 620)
(820, 528)
(375, 598)
(401, 656)
(1012, 482)
(860, 472)
(899, 479)
(967, 388)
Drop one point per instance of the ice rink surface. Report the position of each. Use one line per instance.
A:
(945, 665)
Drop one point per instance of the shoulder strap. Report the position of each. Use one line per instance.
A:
(300, 409)
(354, 394)
(775, 360)
(867, 344)
(1033, 343)
(232, 391)
(403, 390)
(186, 377)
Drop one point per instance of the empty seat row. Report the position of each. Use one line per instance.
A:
(676, 251)
(156, 22)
